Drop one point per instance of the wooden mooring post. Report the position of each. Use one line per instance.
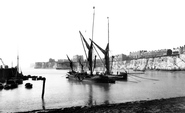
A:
(43, 88)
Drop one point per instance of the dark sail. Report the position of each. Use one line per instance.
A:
(87, 45)
(106, 54)
(107, 59)
(90, 49)
(71, 63)
(90, 57)
(102, 50)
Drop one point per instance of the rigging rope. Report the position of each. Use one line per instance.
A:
(99, 57)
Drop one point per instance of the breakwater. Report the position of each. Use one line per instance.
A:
(166, 63)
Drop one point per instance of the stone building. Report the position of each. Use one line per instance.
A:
(137, 54)
(63, 64)
(76, 58)
(176, 51)
(182, 49)
(150, 54)
(119, 57)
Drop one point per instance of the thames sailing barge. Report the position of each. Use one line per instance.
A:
(106, 77)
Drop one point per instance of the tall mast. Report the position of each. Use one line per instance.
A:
(17, 63)
(108, 30)
(93, 23)
(108, 63)
(91, 67)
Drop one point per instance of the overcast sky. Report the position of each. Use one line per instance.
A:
(42, 29)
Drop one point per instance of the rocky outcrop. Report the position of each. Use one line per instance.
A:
(168, 63)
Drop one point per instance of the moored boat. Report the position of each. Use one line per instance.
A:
(11, 83)
(94, 78)
(28, 85)
(122, 75)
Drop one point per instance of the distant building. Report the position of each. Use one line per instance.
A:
(99, 63)
(176, 51)
(137, 54)
(63, 64)
(184, 49)
(44, 65)
(39, 65)
(181, 49)
(119, 57)
(51, 60)
(76, 58)
(155, 53)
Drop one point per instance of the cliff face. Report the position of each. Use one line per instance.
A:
(170, 63)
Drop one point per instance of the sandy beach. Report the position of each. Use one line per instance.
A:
(170, 105)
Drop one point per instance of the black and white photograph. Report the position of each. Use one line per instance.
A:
(92, 56)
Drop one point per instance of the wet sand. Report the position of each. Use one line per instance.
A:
(170, 105)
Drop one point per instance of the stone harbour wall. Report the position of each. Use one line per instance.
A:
(167, 63)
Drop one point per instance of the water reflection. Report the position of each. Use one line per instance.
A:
(61, 92)
(90, 100)
(43, 104)
(99, 90)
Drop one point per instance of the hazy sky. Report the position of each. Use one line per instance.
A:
(42, 29)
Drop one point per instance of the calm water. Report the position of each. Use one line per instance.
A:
(61, 92)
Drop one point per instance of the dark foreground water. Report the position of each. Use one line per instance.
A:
(61, 92)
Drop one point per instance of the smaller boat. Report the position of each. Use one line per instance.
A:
(28, 85)
(73, 74)
(77, 75)
(11, 84)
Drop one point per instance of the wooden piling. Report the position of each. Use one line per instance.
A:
(43, 88)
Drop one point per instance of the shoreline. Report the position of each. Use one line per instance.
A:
(168, 105)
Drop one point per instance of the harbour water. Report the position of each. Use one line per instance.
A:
(61, 92)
